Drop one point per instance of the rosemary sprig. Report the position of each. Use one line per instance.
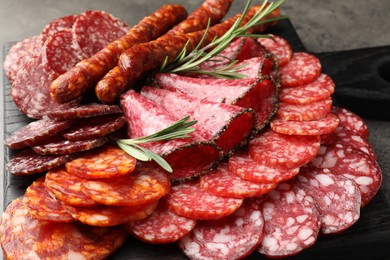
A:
(180, 129)
(190, 62)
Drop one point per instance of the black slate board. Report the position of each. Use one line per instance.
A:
(367, 239)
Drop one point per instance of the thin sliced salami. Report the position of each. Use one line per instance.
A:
(279, 150)
(189, 200)
(145, 185)
(337, 197)
(351, 121)
(319, 89)
(301, 69)
(42, 206)
(222, 182)
(23, 236)
(162, 226)
(68, 147)
(57, 25)
(83, 111)
(66, 187)
(322, 126)
(29, 162)
(280, 47)
(291, 221)
(305, 112)
(244, 166)
(231, 237)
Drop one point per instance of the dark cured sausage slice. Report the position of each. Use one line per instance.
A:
(83, 111)
(144, 185)
(189, 200)
(57, 25)
(244, 166)
(188, 157)
(279, 150)
(351, 121)
(162, 226)
(42, 206)
(291, 221)
(337, 197)
(227, 125)
(231, 237)
(280, 47)
(222, 182)
(68, 147)
(305, 112)
(25, 237)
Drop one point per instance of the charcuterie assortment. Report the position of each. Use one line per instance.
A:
(267, 164)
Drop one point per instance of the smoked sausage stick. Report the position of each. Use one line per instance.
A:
(75, 82)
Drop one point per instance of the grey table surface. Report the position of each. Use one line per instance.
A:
(323, 26)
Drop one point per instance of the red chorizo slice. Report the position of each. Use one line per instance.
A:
(42, 206)
(322, 126)
(245, 167)
(317, 90)
(162, 226)
(337, 197)
(189, 200)
(23, 236)
(305, 112)
(222, 182)
(287, 151)
(228, 126)
(84, 111)
(301, 69)
(57, 25)
(351, 121)
(68, 147)
(145, 185)
(66, 187)
(231, 237)
(280, 47)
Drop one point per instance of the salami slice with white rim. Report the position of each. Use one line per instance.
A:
(305, 112)
(57, 25)
(280, 47)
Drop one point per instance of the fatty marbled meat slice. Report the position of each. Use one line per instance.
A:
(162, 226)
(337, 197)
(84, 111)
(279, 46)
(228, 126)
(188, 157)
(222, 182)
(42, 206)
(258, 94)
(232, 237)
(291, 221)
(24, 237)
(351, 121)
(305, 112)
(57, 25)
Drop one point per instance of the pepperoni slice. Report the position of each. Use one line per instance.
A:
(305, 112)
(319, 89)
(83, 111)
(162, 226)
(301, 69)
(68, 147)
(189, 200)
(291, 221)
(145, 185)
(231, 237)
(280, 47)
(288, 151)
(57, 25)
(102, 163)
(42, 206)
(337, 197)
(222, 182)
(67, 188)
(325, 125)
(244, 166)
(351, 121)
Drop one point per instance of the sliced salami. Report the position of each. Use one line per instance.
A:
(35, 132)
(337, 198)
(145, 185)
(189, 200)
(305, 112)
(95, 127)
(24, 237)
(351, 121)
(222, 182)
(231, 237)
(322, 126)
(162, 226)
(291, 221)
(42, 206)
(287, 151)
(280, 47)
(244, 166)
(66, 187)
(57, 25)
(301, 69)
(353, 164)
(29, 162)
(319, 89)
(83, 111)
(68, 147)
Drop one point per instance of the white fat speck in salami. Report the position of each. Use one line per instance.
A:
(305, 112)
(280, 47)
(351, 121)
(231, 237)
